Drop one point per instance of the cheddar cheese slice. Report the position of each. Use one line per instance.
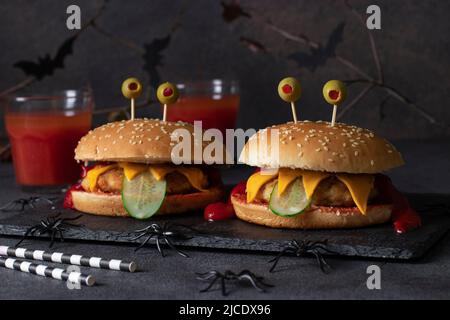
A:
(359, 186)
(131, 170)
(94, 173)
(195, 176)
(255, 182)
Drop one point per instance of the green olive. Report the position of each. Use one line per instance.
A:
(131, 88)
(334, 92)
(167, 93)
(289, 89)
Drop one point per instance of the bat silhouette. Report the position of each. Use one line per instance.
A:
(153, 58)
(45, 66)
(318, 57)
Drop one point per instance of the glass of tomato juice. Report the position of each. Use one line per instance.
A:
(214, 102)
(43, 131)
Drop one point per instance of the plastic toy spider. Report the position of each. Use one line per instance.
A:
(53, 226)
(213, 276)
(23, 203)
(165, 233)
(305, 247)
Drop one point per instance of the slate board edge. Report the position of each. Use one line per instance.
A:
(226, 243)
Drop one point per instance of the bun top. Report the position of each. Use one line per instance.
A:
(138, 140)
(320, 147)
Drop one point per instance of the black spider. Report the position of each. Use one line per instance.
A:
(22, 203)
(302, 248)
(166, 233)
(256, 281)
(53, 226)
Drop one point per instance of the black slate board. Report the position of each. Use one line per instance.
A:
(372, 242)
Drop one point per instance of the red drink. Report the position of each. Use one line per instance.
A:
(43, 146)
(43, 141)
(215, 103)
(220, 113)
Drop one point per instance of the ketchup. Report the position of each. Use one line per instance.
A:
(404, 217)
(68, 202)
(221, 210)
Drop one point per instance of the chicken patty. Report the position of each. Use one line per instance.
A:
(111, 182)
(330, 192)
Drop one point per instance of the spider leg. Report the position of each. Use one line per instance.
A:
(252, 280)
(207, 275)
(170, 244)
(138, 236)
(159, 247)
(61, 235)
(74, 218)
(210, 285)
(145, 241)
(278, 257)
(27, 233)
(224, 288)
(324, 266)
(52, 238)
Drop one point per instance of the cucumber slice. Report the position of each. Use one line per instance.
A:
(293, 201)
(143, 196)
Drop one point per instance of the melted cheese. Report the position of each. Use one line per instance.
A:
(131, 170)
(94, 173)
(255, 182)
(311, 180)
(285, 177)
(195, 176)
(359, 186)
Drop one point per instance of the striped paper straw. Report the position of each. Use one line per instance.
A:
(75, 259)
(46, 271)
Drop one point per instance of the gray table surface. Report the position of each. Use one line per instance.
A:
(173, 277)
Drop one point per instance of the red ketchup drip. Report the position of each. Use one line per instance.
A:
(68, 202)
(221, 210)
(333, 94)
(404, 217)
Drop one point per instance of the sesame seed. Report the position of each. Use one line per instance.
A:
(299, 145)
(344, 144)
(325, 148)
(120, 137)
(372, 162)
(389, 151)
(300, 154)
(318, 150)
(356, 153)
(330, 160)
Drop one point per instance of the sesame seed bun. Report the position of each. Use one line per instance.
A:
(314, 218)
(104, 204)
(320, 147)
(139, 140)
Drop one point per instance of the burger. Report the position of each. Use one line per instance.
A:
(321, 176)
(129, 171)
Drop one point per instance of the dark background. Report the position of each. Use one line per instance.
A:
(248, 41)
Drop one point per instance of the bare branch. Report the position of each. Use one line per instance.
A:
(115, 38)
(352, 103)
(373, 46)
(18, 86)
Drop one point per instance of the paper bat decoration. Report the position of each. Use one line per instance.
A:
(318, 57)
(46, 66)
(153, 58)
(232, 11)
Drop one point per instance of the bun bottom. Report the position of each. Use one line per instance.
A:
(315, 218)
(103, 204)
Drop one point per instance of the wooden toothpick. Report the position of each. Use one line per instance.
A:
(333, 117)
(294, 112)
